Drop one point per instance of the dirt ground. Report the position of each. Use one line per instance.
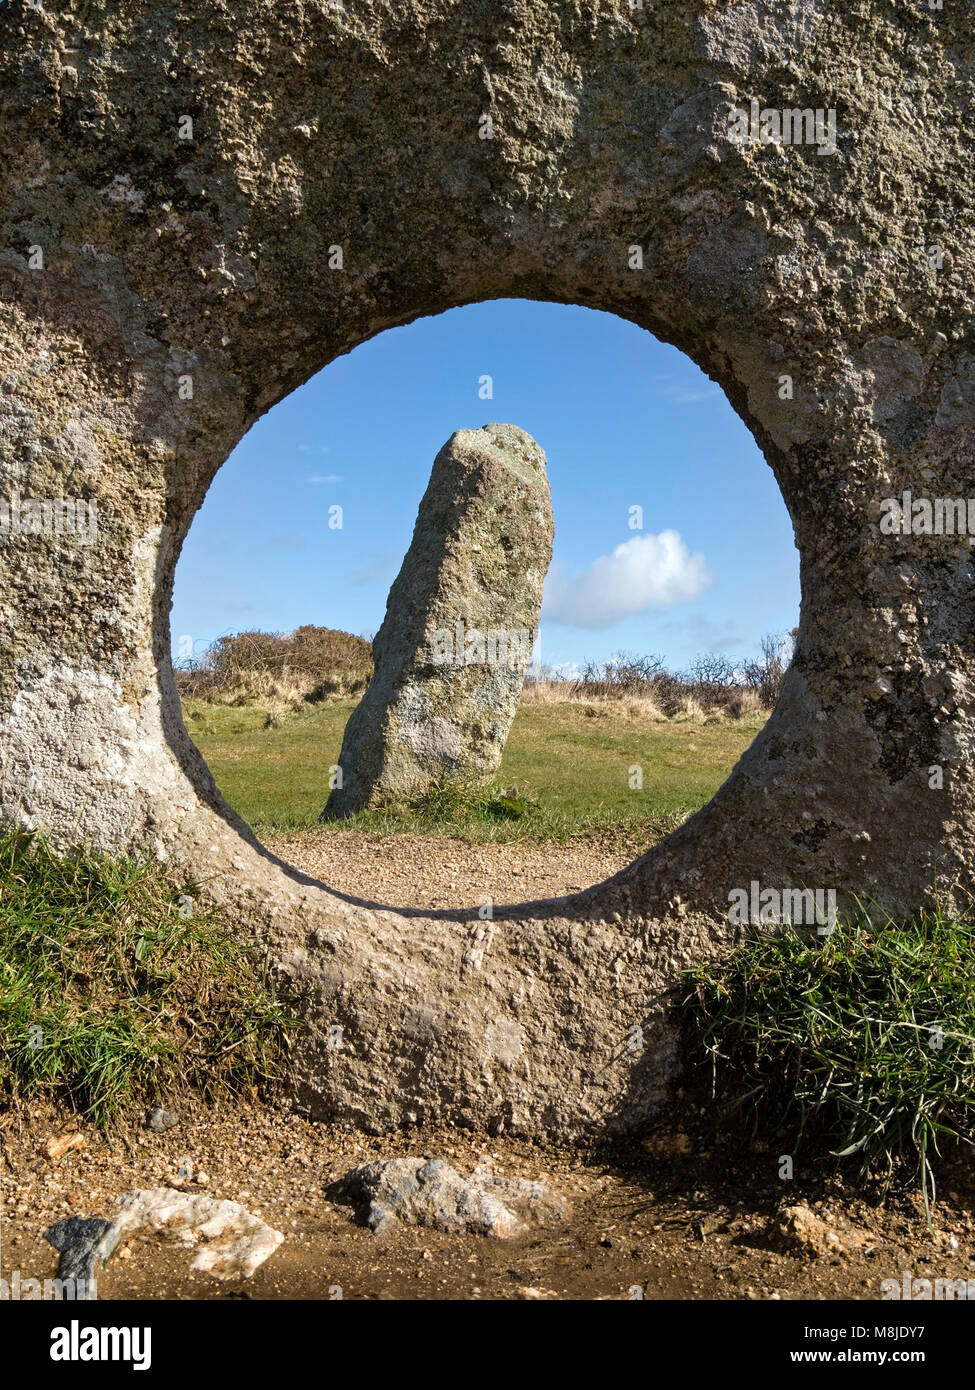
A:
(662, 1220)
(430, 871)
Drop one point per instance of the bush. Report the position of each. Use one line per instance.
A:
(309, 664)
(766, 674)
(865, 1038)
(712, 685)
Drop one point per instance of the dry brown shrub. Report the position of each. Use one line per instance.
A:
(280, 670)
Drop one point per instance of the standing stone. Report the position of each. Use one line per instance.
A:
(460, 625)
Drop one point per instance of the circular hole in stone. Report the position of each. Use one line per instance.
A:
(671, 542)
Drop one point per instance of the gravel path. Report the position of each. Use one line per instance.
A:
(429, 871)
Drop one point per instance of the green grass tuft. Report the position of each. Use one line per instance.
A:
(117, 986)
(865, 1038)
(494, 814)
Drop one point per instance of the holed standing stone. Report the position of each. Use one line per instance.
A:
(460, 625)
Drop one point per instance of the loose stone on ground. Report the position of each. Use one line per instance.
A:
(429, 1192)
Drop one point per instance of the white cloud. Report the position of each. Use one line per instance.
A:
(381, 568)
(324, 478)
(703, 634)
(691, 397)
(684, 393)
(645, 572)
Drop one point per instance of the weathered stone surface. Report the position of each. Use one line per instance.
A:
(799, 1231)
(233, 1241)
(460, 625)
(159, 1120)
(429, 1192)
(85, 1243)
(774, 268)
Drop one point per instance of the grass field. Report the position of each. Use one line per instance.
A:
(570, 763)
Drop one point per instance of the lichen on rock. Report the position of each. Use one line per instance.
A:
(460, 626)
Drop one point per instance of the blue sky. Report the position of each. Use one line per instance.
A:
(625, 421)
